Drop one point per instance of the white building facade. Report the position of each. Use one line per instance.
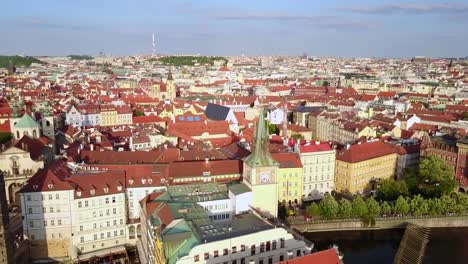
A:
(318, 161)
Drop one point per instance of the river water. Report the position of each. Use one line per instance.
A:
(446, 245)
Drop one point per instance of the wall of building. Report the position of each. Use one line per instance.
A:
(355, 177)
(276, 234)
(318, 172)
(290, 184)
(100, 222)
(48, 223)
(135, 195)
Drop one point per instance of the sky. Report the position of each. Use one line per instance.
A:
(336, 28)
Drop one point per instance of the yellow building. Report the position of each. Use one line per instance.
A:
(163, 90)
(109, 115)
(289, 177)
(358, 165)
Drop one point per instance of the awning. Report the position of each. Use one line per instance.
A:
(102, 253)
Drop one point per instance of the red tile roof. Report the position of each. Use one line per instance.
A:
(52, 178)
(313, 147)
(365, 151)
(34, 146)
(288, 160)
(328, 256)
(5, 127)
(197, 168)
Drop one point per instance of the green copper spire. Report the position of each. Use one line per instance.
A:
(261, 156)
(46, 108)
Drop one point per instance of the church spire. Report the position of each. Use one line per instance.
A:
(261, 155)
(169, 75)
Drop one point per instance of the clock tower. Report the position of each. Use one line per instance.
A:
(260, 171)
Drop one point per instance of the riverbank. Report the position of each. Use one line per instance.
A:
(376, 224)
(446, 245)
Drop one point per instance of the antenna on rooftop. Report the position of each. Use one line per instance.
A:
(153, 44)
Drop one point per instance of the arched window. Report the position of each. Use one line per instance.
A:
(34, 134)
(47, 123)
(17, 135)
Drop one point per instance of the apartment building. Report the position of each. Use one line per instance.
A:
(359, 165)
(318, 161)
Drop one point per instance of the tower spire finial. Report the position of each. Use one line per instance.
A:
(261, 155)
(153, 44)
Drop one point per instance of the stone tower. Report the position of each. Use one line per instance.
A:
(170, 86)
(6, 239)
(47, 122)
(260, 171)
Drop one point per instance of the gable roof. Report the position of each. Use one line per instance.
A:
(26, 121)
(216, 112)
(365, 151)
(34, 146)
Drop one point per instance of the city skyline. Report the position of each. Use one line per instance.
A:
(336, 28)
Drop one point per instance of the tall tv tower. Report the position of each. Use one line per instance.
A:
(154, 46)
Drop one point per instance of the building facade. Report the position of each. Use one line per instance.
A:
(180, 228)
(318, 161)
(289, 177)
(359, 165)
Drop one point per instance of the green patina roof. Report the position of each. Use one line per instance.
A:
(261, 156)
(239, 188)
(26, 121)
(180, 249)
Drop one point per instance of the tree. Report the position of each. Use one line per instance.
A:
(329, 207)
(6, 61)
(433, 179)
(373, 207)
(448, 204)
(5, 137)
(465, 115)
(281, 211)
(419, 206)
(346, 209)
(313, 210)
(385, 208)
(390, 189)
(139, 113)
(297, 136)
(461, 201)
(273, 129)
(435, 207)
(359, 207)
(401, 206)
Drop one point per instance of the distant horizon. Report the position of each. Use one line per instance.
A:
(220, 55)
(352, 29)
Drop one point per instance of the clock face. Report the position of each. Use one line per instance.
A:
(265, 177)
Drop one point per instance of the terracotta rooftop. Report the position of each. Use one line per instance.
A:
(365, 151)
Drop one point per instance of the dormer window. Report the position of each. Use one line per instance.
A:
(143, 181)
(119, 188)
(93, 192)
(150, 181)
(78, 194)
(130, 182)
(106, 190)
